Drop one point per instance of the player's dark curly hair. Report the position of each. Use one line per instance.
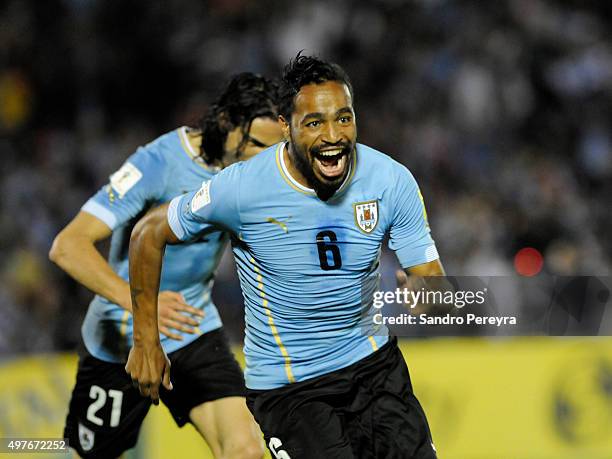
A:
(304, 70)
(246, 97)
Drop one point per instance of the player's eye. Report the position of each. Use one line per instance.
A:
(313, 124)
(345, 119)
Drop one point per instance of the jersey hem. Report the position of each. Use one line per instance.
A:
(276, 384)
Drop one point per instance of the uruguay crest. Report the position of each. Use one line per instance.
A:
(366, 215)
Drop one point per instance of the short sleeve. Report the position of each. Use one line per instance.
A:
(410, 236)
(137, 184)
(216, 203)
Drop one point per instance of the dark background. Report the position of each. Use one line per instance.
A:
(502, 111)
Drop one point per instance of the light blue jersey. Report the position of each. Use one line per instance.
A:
(302, 261)
(155, 174)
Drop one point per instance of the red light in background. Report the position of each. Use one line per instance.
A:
(528, 261)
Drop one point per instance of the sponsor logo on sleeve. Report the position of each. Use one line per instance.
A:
(125, 178)
(201, 198)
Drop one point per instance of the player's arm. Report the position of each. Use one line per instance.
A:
(147, 363)
(426, 276)
(74, 250)
(185, 218)
(411, 240)
(431, 268)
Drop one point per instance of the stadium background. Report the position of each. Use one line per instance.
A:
(502, 110)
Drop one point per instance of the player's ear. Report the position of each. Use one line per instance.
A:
(284, 126)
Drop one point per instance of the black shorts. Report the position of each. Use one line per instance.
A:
(106, 411)
(366, 410)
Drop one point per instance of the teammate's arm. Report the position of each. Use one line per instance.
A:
(74, 250)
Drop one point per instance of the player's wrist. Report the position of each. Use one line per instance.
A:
(125, 303)
(120, 295)
(147, 343)
(146, 336)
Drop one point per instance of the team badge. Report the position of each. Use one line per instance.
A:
(366, 215)
(86, 437)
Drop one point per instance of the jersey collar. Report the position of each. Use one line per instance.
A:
(189, 150)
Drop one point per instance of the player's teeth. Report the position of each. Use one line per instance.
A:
(331, 152)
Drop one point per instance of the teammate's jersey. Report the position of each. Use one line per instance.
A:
(155, 174)
(302, 261)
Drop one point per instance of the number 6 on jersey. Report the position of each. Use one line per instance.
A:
(324, 247)
(274, 444)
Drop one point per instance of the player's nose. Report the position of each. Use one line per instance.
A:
(331, 134)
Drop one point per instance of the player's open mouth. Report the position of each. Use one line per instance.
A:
(331, 163)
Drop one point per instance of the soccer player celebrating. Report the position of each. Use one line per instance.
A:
(308, 218)
(106, 411)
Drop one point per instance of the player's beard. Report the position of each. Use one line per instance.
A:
(304, 162)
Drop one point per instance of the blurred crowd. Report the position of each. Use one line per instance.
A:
(502, 111)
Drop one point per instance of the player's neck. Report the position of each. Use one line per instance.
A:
(292, 169)
(194, 137)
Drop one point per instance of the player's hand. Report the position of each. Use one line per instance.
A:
(175, 314)
(417, 283)
(148, 366)
(413, 283)
(409, 282)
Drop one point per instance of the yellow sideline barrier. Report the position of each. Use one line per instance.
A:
(520, 398)
(34, 398)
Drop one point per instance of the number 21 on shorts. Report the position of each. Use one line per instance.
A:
(99, 399)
